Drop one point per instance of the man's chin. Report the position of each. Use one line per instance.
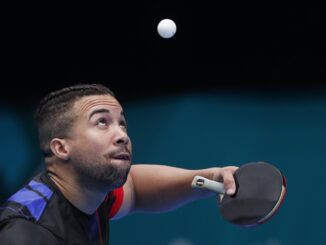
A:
(120, 176)
(109, 178)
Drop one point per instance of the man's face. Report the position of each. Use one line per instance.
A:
(99, 147)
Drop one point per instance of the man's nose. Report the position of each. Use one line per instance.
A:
(122, 138)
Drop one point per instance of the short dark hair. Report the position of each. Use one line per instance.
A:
(53, 115)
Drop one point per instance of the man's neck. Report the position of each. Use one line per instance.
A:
(85, 199)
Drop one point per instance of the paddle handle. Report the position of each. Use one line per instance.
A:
(203, 183)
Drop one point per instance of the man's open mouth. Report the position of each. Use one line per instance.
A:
(122, 156)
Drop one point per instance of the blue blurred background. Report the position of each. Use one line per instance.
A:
(236, 84)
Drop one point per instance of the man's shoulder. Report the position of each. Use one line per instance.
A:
(29, 202)
(18, 230)
(25, 212)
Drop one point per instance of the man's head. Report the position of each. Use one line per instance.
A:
(84, 126)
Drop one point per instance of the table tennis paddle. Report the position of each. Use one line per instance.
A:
(260, 191)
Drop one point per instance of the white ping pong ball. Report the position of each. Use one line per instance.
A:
(166, 28)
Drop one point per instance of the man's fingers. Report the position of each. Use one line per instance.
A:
(228, 180)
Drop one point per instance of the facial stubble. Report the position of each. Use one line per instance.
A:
(101, 173)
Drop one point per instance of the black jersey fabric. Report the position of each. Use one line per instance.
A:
(39, 214)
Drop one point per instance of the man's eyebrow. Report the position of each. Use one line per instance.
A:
(98, 111)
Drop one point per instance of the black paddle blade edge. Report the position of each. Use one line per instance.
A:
(278, 204)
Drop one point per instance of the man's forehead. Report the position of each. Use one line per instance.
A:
(88, 103)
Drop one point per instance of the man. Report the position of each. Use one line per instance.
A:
(89, 178)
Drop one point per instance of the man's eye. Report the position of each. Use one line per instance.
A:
(123, 125)
(102, 122)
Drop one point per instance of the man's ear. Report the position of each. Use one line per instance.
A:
(59, 147)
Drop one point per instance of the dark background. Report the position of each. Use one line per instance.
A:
(217, 46)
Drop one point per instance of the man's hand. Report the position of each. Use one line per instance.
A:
(225, 175)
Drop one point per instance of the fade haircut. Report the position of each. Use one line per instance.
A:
(54, 117)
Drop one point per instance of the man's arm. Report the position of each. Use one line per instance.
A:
(160, 188)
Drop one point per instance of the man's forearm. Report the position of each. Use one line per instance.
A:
(160, 188)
